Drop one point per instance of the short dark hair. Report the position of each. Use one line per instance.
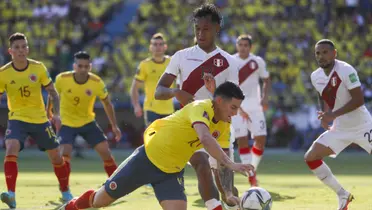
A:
(15, 37)
(229, 90)
(246, 37)
(326, 41)
(208, 10)
(82, 55)
(158, 36)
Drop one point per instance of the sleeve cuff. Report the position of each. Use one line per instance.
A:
(48, 84)
(198, 122)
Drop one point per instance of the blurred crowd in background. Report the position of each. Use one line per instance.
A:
(284, 33)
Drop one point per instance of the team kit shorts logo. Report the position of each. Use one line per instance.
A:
(8, 132)
(113, 185)
(33, 77)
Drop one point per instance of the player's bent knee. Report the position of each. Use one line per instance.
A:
(173, 205)
(102, 198)
(12, 146)
(55, 156)
(66, 149)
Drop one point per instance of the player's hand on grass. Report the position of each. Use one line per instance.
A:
(209, 82)
(232, 200)
(56, 121)
(245, 169)
(245, 115)
(183, 97)
(138, 111)
(117, 133)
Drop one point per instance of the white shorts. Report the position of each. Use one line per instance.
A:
(257, 125)
(338, 140)
(213, 162)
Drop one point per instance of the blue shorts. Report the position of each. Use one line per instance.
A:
(137, 170)
(42, 133)
(152, 116)
(91, 133)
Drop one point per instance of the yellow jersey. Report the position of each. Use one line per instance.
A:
(171, 141)
(23, 88)
(150, 72)
(77, 100)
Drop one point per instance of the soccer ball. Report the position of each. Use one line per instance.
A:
(256, 198)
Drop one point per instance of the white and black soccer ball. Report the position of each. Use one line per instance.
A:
(256, 198)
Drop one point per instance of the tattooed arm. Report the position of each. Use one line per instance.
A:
(53, 104)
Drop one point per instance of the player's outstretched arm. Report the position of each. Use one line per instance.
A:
(49, 108)
(165, 92)
(110, 112)
(163, 89)
(213, 148)
(134, 97)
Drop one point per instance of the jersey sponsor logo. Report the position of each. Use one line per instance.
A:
(113, 185)
(33, 77)
(353, 78)
(88, 92)
(334, 81)
(216, 134)
(218, 62)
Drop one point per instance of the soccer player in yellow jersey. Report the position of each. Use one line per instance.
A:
(22, 79)
(169, 144)
(78, 91)
(148, 73)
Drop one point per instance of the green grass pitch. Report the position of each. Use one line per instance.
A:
(283, 174)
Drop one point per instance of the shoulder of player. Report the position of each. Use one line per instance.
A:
(67, 74)
(94, 77)
(34, 62)
(344, 67)
(316, 73)
(6, 66)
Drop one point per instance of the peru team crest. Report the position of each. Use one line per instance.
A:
(334, 81)
(216, 134)
(32, 77)
(88, 92)
(218, 62)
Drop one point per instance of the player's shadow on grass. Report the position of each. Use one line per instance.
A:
(277, 197)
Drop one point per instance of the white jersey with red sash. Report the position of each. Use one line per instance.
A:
(191, 63)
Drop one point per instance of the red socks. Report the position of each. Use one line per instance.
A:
(67, 159)
(257, 151)
(11, 171)
(244, 151)
(110, 166)
(85, 200)
(62, 174)
(314, 164)
(218, 208)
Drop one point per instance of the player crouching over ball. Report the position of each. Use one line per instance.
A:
(169, 144)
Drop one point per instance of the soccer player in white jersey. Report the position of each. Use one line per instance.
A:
(200, 68)
(252, 68)
(339, 87)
